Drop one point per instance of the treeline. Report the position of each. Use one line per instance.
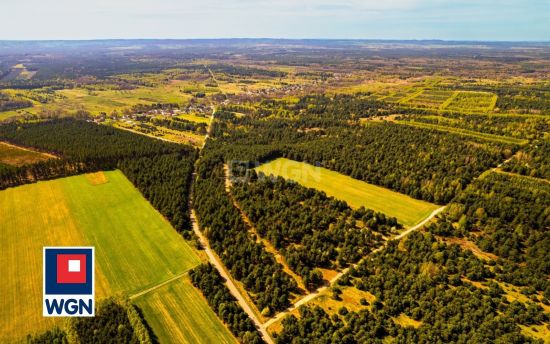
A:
(207, 279)
(160, 170)
(425, 280)
(533, 160)
(310, 229)
(508, 216)
(247, 260)
(165, 181)
(116, 321)
(245, 71)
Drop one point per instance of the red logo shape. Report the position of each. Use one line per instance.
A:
(71, 268)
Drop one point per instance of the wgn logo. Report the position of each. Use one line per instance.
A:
(68, 282)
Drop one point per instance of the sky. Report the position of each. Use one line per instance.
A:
(498, 20)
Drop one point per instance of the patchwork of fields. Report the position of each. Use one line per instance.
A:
(356, 193)
(136, 248)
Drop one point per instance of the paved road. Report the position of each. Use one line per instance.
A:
(318, 292)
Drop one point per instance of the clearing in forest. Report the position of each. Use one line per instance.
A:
(17, 156)
(356, 193)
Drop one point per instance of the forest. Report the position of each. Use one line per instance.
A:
(428, 281)
(310, 229)
(423, 163)
(508, 216)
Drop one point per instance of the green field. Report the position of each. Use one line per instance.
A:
(356, 193)
(172, 323)
(136, 248)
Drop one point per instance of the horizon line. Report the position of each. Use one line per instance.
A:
(279, 38)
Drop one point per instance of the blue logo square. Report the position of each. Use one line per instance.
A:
(53, 284)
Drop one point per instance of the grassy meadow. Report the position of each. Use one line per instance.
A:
(172, 323)
(356, 193)
(136, 248)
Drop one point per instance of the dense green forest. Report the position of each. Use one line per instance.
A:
(208, 280)
(310, 229)
(428, 281)
(160, 170)
(247, 260)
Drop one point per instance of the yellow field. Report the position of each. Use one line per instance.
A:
(136, 248)
(194, 118)
(172, 323)
(356, 193)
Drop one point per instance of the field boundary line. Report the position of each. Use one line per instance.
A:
(161, 284)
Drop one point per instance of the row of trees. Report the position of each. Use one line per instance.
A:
(180, 125)
(310, 229)
(8, 103)
(206, 278)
